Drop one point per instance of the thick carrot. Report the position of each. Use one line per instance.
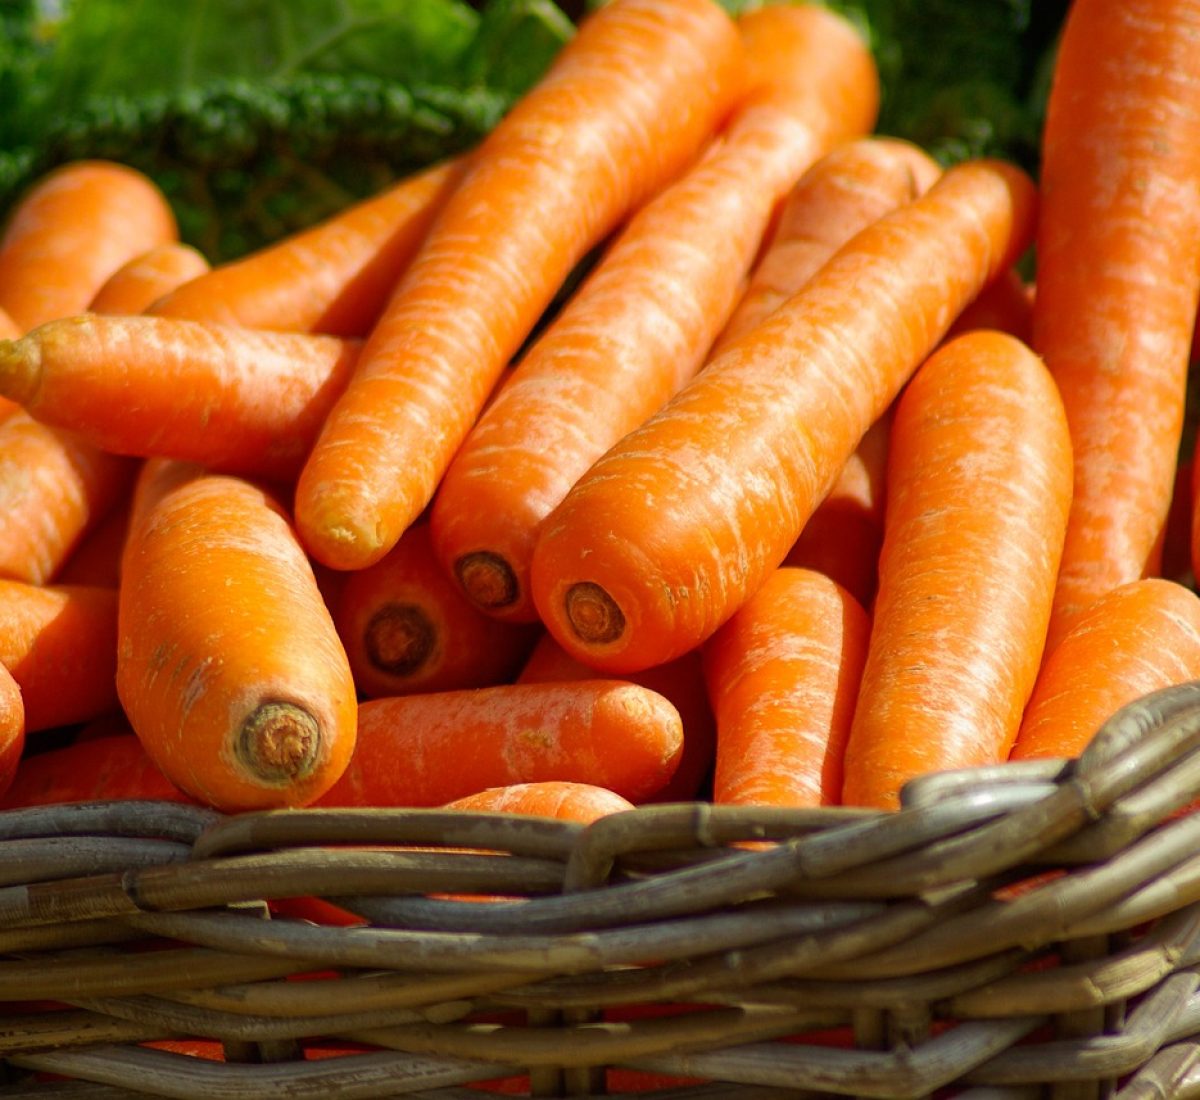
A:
(427, 750)
(143, 280)
(12, 729)
(979, 485)
(407, 627)
(1118, 276)
(622, 110)
(96, 560)
(679, 523)
(71, 231)
(95, 770)
(643, 322)
(840, 195)
(334, 277)
(237, 400)
(783, 676)
(680, 681)
(60, 644)
(54, 488)
(565, 801)
(1005, 305)
(228, 663)
(1137, 638)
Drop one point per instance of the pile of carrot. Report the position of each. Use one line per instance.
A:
(801, 492)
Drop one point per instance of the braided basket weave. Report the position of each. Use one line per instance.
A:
(1030, 930)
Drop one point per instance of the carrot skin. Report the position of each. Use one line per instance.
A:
(408, 628)
(136, 285)
(71, 231)
(979, 486)
(625, 106)
(676, 526)
(332, 278)
(644, 320)
(12, 729)
(228, 663)
(1118, 277)
(96, 560)
(427, 750)
(1004, 305)
(783, 676)
(1141, 636)
(583, 802)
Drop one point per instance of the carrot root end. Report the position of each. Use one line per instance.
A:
(487, 579)
(593, 614)
(279, 742)
(399, 639)
(20, 369)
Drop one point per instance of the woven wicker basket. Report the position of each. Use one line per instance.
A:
(1024, 931)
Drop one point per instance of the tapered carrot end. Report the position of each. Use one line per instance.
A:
(487, 579)
(593, 614)
(279, 742)
(399, 639)
(20, 369)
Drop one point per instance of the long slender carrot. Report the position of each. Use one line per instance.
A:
(1137, 638)
(584, 802)
(979, 486)
(850, 187)
(228, 663)
(678, 524)
(783, 676)
(142, 281)
(12, 729)
(407, 627)
(71, 231)
(1118, 276)
(237, 400)
(334, 277)
(622, 110)
(427, 750)
(680, 681)
(60, 644)
(54, 488)
(644, 321)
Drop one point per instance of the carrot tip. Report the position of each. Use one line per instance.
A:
(487, 579)
(20, 369)
(593, 614)
(399, 639)
(279, 742)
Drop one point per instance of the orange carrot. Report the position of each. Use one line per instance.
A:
(407, 627)
(679, 523)
(96, 770)
(54, 488)
(333, 277)
(565, 801)
(234, 399)
(71, 231)
(12, 729)
(643, 322)
(1005, 304)
(979, 485)
(1118, 277)
(96, 560)
(783, 676)
(1137, 638)
(146, 278)
(622, 110)
(228, 663)
(60, 644)
(9, 330)
(427, 750)
(844, 192)
(680, 681)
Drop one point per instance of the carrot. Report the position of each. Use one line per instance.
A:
(96, 770)
(59, 642)
(678, 524)
(407, 627)
(9, 330)
(71, 231)
(565, 801)
(54, 488)
(234, 399)
(643, 322)
(12, 729)
(228, 663)
(622, 110)
(979, 485)
(840, 195)
(96, 560)
(1118, 278)
(334, 277)
(146, 278)
(680, 682)
(842, 538)
(427, 750)
(1005, 304)
(1137, 638)
(783, 676)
